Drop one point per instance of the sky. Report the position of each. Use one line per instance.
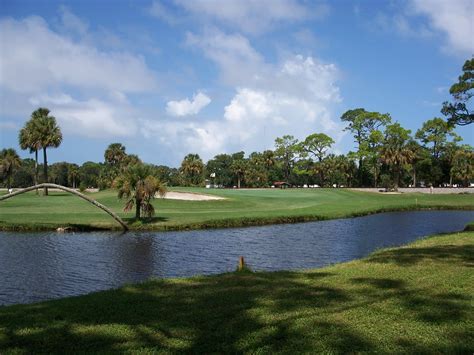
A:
(168, 78)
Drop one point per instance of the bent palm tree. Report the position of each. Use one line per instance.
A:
(139, 187)
(49, 135)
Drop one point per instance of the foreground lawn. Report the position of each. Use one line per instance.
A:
(242, 207)
(416, 299)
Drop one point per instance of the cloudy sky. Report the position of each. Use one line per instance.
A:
(167, 78)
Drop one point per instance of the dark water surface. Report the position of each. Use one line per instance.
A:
(42, 266)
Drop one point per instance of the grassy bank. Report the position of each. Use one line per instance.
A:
(240, 208)
(416, 299)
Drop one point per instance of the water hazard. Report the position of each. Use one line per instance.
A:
(41, 266)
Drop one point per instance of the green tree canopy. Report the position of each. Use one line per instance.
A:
(9, 162)
(49, 135)
(459, 111)
(435, 133)
(361, 124)
(286, 149)
(395, 151)
(139, 187)
(115, 154)
(192, 169)
(317, 145)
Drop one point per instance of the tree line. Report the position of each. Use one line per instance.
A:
(385, 155)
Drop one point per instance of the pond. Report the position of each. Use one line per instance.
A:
(46, 265)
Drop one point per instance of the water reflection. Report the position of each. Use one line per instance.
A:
(40, 266)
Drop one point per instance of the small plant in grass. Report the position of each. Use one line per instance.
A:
(82, 186)
(139, 187)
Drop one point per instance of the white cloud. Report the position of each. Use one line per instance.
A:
(71, 22)
(294, 97)
(188, 107)
(91, 118)
(255, 16)
(229, 52)
(84, 87)
(35, 58)
(454, 18)
(160, 11)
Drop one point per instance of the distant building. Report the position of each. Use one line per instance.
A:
(281, 184)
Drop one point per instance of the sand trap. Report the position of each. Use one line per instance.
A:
(189, 196)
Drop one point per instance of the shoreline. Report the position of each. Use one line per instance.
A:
(368, 298)
(228, 223)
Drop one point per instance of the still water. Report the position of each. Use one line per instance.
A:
(41, 266)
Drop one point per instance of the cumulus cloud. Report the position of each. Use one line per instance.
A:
(92, 118)
(250, 16)
(295, 96)
(229, 52)
(188, 107)
(454, 18)
(34, 57)
(84, 87)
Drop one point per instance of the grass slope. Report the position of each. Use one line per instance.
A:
(416, 299)
(242, 207)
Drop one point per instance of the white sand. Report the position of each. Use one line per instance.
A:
(188, 196)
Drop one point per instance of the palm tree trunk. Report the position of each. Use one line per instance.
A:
(137, 208)
(36, 170)
(238, 181)
(45, 167)
(321, 172)
(375, 175)
(397, 178)
(414, 177)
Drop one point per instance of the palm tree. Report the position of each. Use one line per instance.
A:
(49, 135)
(29, 139)
(139, 187)
(115, 154)
(9, 161)
(239, 167)
(73, 174)
(192, 168)
(396, 152)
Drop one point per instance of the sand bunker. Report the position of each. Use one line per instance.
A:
(188, 196)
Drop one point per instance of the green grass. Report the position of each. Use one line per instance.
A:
(241, 208)
(415, 299)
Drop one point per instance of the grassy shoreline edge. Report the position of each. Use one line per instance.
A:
(422, 287)
(229, 223)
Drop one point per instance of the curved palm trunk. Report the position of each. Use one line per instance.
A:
(74, 192)
(45, 169)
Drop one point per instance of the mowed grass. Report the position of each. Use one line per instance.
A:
(415, 299)
(240, 208)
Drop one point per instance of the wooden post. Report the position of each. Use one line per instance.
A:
(241, 263)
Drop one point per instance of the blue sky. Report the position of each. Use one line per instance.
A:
(167, 78)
